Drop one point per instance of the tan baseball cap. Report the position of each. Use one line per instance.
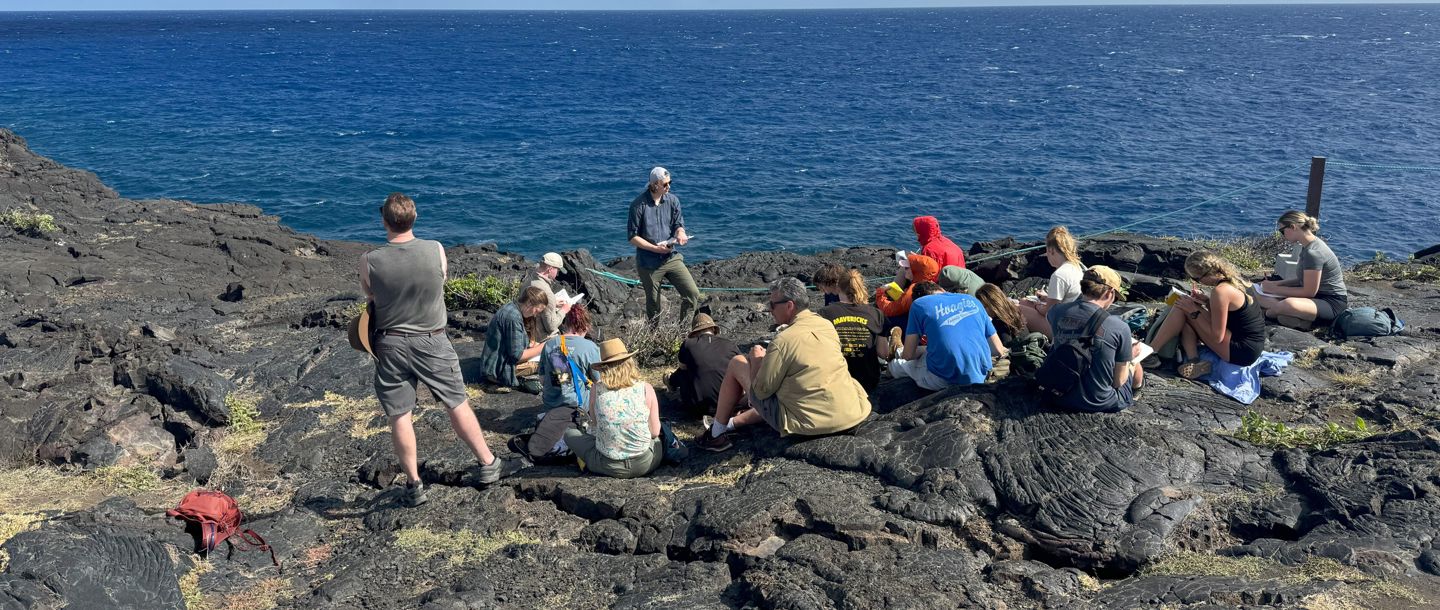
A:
(1106, 276)
(553, 260)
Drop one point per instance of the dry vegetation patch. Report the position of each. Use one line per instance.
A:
(458, 547)
(47, 488)
(1204, 564)
(724, 474)
(357, 415)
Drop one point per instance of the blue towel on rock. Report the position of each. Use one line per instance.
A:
(1243, 382)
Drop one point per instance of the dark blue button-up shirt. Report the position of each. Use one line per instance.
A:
(656, 222)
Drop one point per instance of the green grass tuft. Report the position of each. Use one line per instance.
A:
(29, 223)
(473, 292)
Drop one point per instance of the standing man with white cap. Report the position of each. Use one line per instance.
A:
(543, 277)
(656, 227)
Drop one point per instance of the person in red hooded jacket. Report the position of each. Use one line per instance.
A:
(920, 268)
(935, 245)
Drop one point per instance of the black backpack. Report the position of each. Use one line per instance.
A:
(1069, 360)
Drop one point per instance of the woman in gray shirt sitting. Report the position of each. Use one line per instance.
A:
(1319, 295)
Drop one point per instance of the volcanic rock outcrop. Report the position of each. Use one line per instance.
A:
(148, 347)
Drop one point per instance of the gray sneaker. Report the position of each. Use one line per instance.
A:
(414, 494)
(490, 473)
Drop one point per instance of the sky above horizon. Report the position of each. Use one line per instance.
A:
(114, 5)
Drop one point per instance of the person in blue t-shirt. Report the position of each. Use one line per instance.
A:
(961, 340)
(557, 377)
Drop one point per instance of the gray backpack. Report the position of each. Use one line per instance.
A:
(1366, 322)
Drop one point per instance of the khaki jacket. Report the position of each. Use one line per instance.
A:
(549, 319)
(806, 370)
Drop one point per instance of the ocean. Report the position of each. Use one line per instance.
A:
(798, 130)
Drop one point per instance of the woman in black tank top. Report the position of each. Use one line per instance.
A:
(1228, 321)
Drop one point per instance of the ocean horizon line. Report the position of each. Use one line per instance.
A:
(984, 5)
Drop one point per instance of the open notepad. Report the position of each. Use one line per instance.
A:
(1145, 351)
(564, 298)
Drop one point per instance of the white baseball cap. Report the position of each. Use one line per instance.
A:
(553, 260)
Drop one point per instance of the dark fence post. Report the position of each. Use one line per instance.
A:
(1317, 180)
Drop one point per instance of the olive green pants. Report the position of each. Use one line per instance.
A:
(677, 274)
(634, 466)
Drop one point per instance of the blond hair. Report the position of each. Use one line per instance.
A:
(1205, 262)
(1299, 220)
(854, 287)
(1060, 240)
(619, 375)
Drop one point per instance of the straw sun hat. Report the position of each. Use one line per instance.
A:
(613, 351)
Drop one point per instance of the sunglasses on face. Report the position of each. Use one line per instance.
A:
(775, 303)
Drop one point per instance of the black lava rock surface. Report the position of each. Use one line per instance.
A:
(205, 344)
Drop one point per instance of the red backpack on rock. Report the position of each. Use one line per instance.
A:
(218, 516)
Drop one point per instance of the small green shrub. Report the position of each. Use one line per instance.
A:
(473, 292)
(29, 223)
(1255, 428)
(355, 309)
(244, 415)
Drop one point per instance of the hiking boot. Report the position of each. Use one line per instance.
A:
(530, 386)
(490, 473)
(1194, 369)
(499, 469)
(897, 342)
(414, 494)
(714, 444)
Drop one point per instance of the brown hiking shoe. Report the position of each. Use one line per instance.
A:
(714, 444)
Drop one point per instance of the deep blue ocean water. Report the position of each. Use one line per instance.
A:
(798, 130)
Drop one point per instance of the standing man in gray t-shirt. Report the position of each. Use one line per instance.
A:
(655, 228)
(405, 281)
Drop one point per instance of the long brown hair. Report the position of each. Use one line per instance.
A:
(1003, 312)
